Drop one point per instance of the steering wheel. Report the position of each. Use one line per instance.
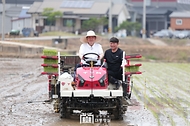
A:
(88, 60)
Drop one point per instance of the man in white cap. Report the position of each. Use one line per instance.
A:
(90, 46)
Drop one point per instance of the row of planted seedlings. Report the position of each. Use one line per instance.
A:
(155, 88)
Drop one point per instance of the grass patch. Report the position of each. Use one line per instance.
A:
(50, 52)
(57, 34)
(50, 70)
(183, 55)
(151, 57)
(132, 69)
(175, 42)
(49, 61)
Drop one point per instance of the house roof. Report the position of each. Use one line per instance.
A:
(163, 6)
(96, 7)
(34, 7)
(154, 10)
(117, 9)
(159, 3)
(180, 14)
(17, 12)
(13, 11)
(93, 10)
(23, 13)
(183, 7)
(20, 1)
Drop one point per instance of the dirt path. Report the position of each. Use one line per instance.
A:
(157, 42)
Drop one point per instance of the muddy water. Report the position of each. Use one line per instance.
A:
(23, 92)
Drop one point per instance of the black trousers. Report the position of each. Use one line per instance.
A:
(113, 77)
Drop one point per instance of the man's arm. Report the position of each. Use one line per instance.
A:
(81, 51)
(101, 55)
(101, 52)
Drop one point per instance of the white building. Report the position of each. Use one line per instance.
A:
(15, 17)
(76, 11)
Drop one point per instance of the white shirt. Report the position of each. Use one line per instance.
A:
(95, 48)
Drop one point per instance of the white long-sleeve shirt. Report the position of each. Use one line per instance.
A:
(95, 48)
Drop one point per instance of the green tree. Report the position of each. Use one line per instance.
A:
(129, 26)
(51, 15)
(93, 23)
(103, 21)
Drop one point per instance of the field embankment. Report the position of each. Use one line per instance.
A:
(176, 51)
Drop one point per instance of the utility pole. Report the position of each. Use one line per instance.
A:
(144, 20)
(3, 19)
(110, 20)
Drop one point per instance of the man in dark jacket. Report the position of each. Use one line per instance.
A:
(113, 57)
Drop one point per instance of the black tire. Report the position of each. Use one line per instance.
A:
(65, 112)
(118, 111)
(52, 91)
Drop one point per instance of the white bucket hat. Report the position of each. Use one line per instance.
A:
(90, 33)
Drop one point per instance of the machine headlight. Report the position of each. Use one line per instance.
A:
(101, 81)
(81, 81)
